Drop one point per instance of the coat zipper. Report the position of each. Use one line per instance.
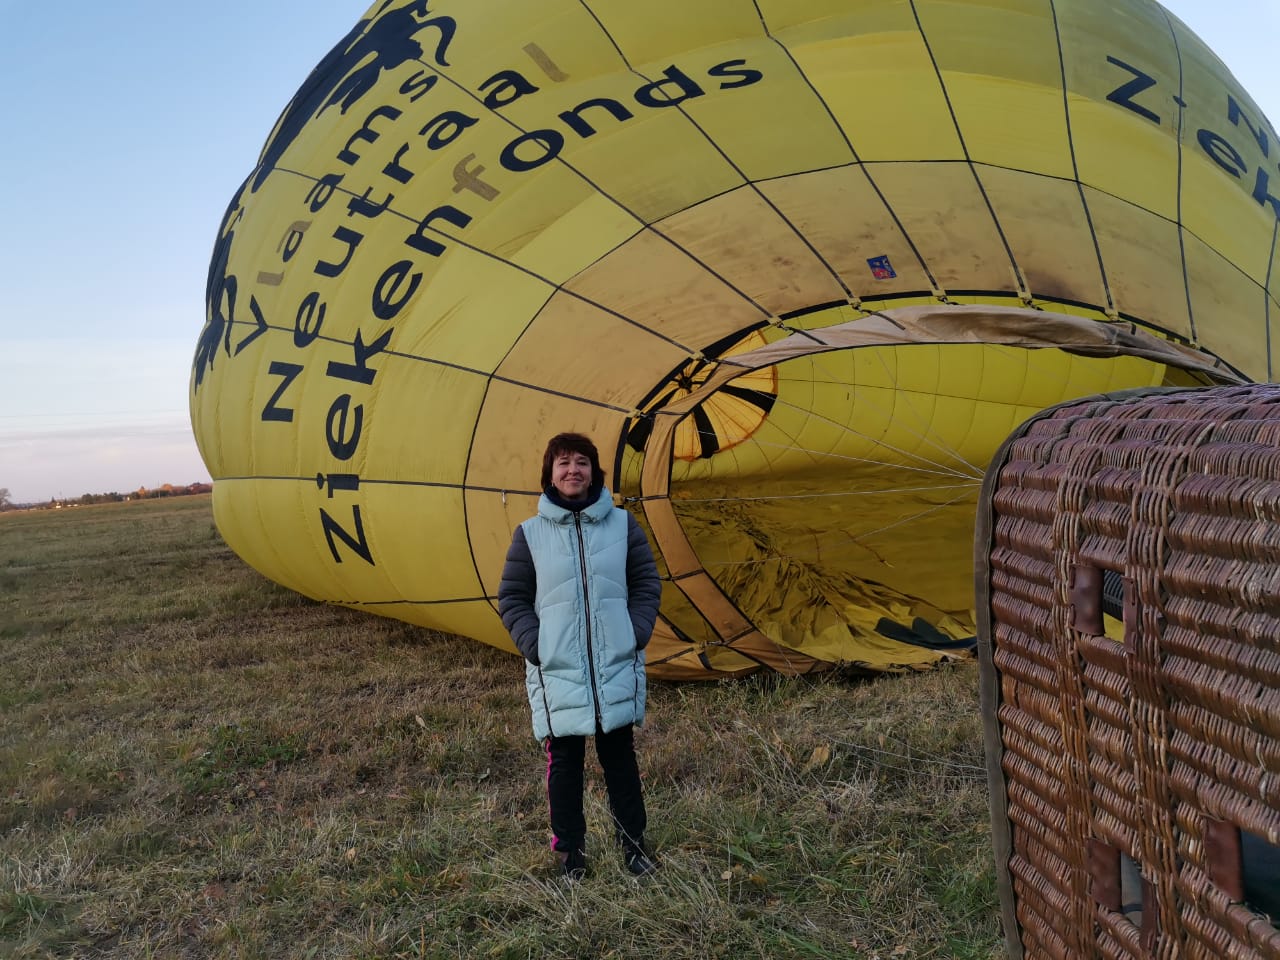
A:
(586, 609)
(546, 707)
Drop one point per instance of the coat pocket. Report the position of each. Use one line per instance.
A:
(616, 653)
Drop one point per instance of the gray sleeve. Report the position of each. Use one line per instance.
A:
(644, 586)
(516, 595)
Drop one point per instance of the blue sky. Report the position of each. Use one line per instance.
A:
(127, 128)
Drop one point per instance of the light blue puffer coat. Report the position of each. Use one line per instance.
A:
(580, 595)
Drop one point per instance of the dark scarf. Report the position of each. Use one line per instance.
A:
(575, 506)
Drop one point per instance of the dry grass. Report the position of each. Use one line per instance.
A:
(195, 762)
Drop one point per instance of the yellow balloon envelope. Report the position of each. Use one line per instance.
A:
(797, 266)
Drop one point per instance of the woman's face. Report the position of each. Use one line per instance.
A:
(571, 475)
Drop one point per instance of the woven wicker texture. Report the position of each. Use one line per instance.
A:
(1128, 594)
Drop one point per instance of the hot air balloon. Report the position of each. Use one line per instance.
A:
(797, 266)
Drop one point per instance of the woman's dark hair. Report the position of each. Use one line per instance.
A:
(571, 443)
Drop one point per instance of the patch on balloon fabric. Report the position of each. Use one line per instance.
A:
(881, 268)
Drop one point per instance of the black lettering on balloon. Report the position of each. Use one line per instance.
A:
(1237, 116)
(260, 325)
(445, 128)
(288, 372)
(744, 77)
(508, 87)
(574, 121)
(359, 372)
(1262, 191)
(352, 240)
(1222, 153)
(358, 543)
(364, 207)
(390, 293)
(343, 443)
(395, 169)
(337, 481)
(550, 141)
(675, 89)
(1124, 94)
(304, 329)
(416, 87)
(419, 240)
(366, 133)
(319, 194)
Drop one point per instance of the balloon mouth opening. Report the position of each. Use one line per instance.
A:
(839, 528)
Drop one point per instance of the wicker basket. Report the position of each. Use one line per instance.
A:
(1128, 595)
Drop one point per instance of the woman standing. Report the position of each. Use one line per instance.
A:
(579, 596)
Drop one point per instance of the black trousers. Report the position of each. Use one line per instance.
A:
(617, 754)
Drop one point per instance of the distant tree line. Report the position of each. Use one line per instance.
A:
(142, 493)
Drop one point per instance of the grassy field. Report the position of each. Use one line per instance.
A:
(195, 762)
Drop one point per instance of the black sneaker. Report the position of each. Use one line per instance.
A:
(574, 865)
(640, 862)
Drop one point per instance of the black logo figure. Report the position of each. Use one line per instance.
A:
(348, 71)
(352, 67)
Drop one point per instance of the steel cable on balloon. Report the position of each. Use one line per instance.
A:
(769, 254)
